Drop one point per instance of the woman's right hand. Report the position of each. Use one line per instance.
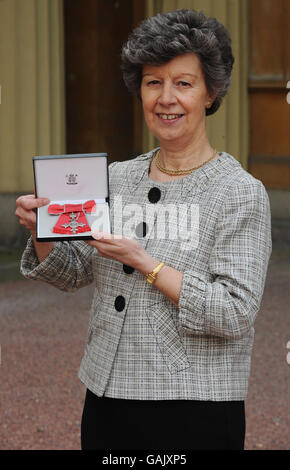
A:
(26, 210)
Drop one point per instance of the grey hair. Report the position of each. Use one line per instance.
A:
(161, 38)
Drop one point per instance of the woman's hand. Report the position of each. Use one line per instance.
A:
(125, 250)
(131, 253)
(26, 210)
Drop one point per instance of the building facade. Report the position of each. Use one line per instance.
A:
(62, 91)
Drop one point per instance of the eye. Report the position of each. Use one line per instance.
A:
(184, 84)
(153, 82)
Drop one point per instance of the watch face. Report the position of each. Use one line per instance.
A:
(151, 278)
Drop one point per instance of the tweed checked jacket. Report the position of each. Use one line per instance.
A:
(139, 345)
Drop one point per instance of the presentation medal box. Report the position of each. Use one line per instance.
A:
(78, 189)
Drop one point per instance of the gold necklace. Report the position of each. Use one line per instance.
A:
(179, 172)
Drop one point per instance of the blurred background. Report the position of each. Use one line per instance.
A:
(61, 91)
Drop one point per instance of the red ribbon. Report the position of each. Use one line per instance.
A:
(72, 217)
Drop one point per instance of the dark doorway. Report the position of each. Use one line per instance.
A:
(269, 158)
(100, 113)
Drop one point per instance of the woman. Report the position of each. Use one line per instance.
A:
(167, 361)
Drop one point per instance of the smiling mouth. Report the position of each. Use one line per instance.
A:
(169, 117)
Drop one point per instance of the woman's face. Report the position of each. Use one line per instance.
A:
(174, 97)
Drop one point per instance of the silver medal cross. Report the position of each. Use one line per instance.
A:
(73, 225)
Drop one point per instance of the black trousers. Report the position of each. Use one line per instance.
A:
(114, 424)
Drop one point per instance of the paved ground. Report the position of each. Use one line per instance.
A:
(42, 334)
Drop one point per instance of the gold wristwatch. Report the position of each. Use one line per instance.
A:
(151, 277)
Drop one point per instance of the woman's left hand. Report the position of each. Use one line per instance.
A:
(128, 251)
(122, 249)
